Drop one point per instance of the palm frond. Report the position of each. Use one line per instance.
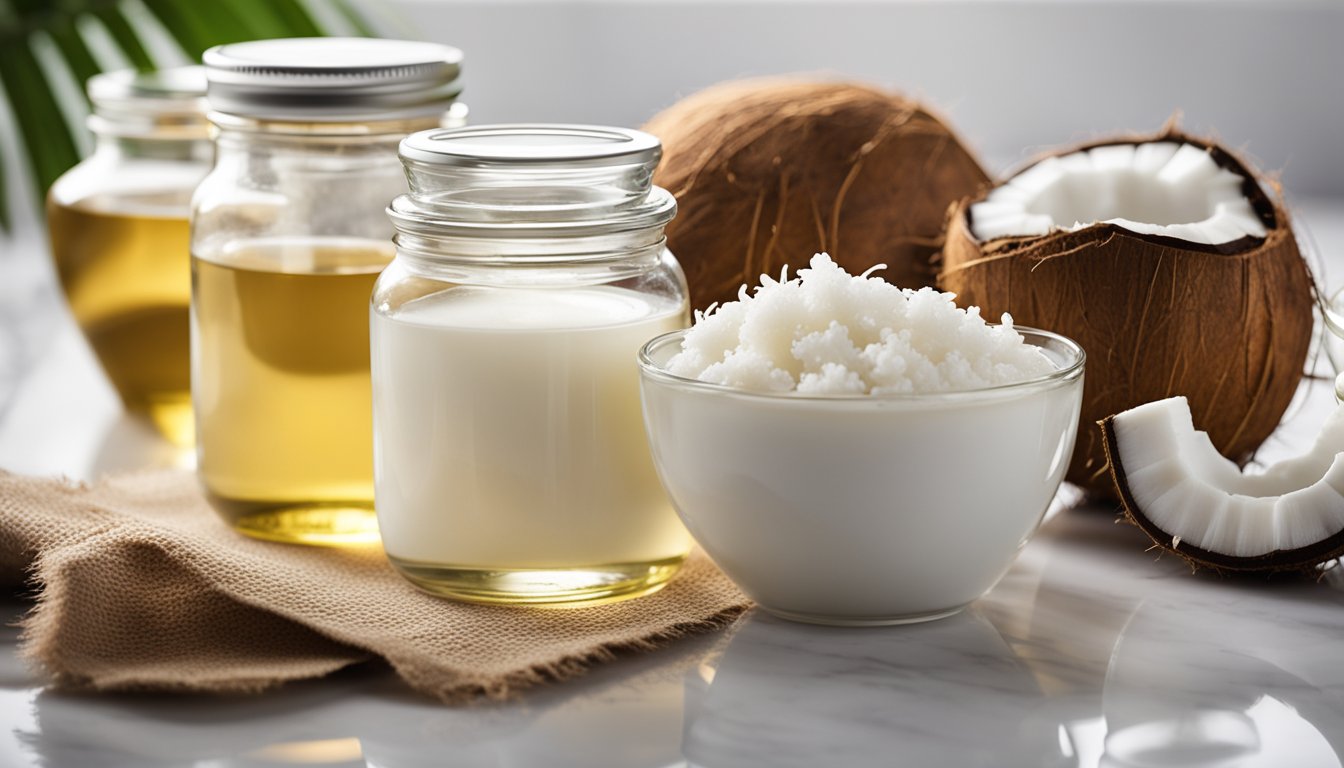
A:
(50, 147)
(74, 50)
(48, 144)
(354, 18)
(125, 36)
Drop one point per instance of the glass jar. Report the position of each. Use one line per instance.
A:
(288, 235)
(119, 237)
(510, 457)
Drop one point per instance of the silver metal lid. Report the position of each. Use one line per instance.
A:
(169, 103)
(332, 79)
(536, 145)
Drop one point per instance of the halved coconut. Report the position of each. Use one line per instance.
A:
(1190, 500)
(768, 171)
(1169, 263)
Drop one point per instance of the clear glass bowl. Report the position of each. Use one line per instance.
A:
(863, 510)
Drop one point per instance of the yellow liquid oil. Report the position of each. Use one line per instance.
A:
(281, 375)
(127, 278)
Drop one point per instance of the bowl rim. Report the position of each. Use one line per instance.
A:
(1332, 311)
(650, 369)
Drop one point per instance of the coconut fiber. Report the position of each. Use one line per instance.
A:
(141, 586)
(769, 171)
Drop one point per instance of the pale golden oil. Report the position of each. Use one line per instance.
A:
(282, 394)
(127, 278)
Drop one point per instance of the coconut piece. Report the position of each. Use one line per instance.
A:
(1192, 501)
(766, 170)
(1167, 261)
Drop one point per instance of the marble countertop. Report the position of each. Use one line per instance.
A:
(1092, 652)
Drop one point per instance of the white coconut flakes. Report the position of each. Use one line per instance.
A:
(826, 332)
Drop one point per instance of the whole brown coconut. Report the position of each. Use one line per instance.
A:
(768, 172)
(1228, 326)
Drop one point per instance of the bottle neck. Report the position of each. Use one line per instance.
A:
(334, 145)
(124, 132)
(258, 130)
(187, 150)
(554, 260)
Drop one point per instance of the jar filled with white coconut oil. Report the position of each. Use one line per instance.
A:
(511, 464)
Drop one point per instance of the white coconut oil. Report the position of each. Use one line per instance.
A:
(510, 435)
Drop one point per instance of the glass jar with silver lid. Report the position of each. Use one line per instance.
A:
(288, 235)
(510, 454)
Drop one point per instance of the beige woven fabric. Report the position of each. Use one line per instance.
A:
(141, 586)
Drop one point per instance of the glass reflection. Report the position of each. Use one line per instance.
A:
(943, 693)
(1193, 688)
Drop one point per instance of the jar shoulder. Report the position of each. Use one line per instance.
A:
(114, 181)
(661, 283)
(323, 190)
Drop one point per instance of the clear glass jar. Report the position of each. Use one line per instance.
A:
(119, 237)
(288, 235)
(510, 457)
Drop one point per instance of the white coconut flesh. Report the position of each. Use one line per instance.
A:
(1163, 188)
(1184, 487)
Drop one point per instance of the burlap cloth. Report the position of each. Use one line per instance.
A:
(140, 586)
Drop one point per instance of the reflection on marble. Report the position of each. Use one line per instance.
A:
(1091, 653)
(793, 695)
(68, 420)
(30, 306)
(1182, 690)
(366, 717)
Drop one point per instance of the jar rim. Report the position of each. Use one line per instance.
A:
(166, 104)
(533, 145)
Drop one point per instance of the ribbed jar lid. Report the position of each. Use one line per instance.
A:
(332, 79)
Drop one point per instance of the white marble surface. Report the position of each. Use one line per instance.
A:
(1091, 653)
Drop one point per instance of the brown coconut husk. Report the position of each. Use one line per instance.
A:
(1301, 560)
(768, 172)
(1227, 326)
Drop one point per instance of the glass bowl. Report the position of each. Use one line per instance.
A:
(862, 510)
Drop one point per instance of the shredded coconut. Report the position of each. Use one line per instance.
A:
(832, 333)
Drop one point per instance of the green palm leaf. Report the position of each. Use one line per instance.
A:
(48, 143)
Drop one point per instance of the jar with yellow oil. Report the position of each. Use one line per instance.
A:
(288, 236)
(119, 236)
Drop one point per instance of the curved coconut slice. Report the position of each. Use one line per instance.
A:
(1168, 261)
(1192, 501)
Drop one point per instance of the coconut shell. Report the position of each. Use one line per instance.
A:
(769, 172)
(1228, 326)
(1301, 560)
